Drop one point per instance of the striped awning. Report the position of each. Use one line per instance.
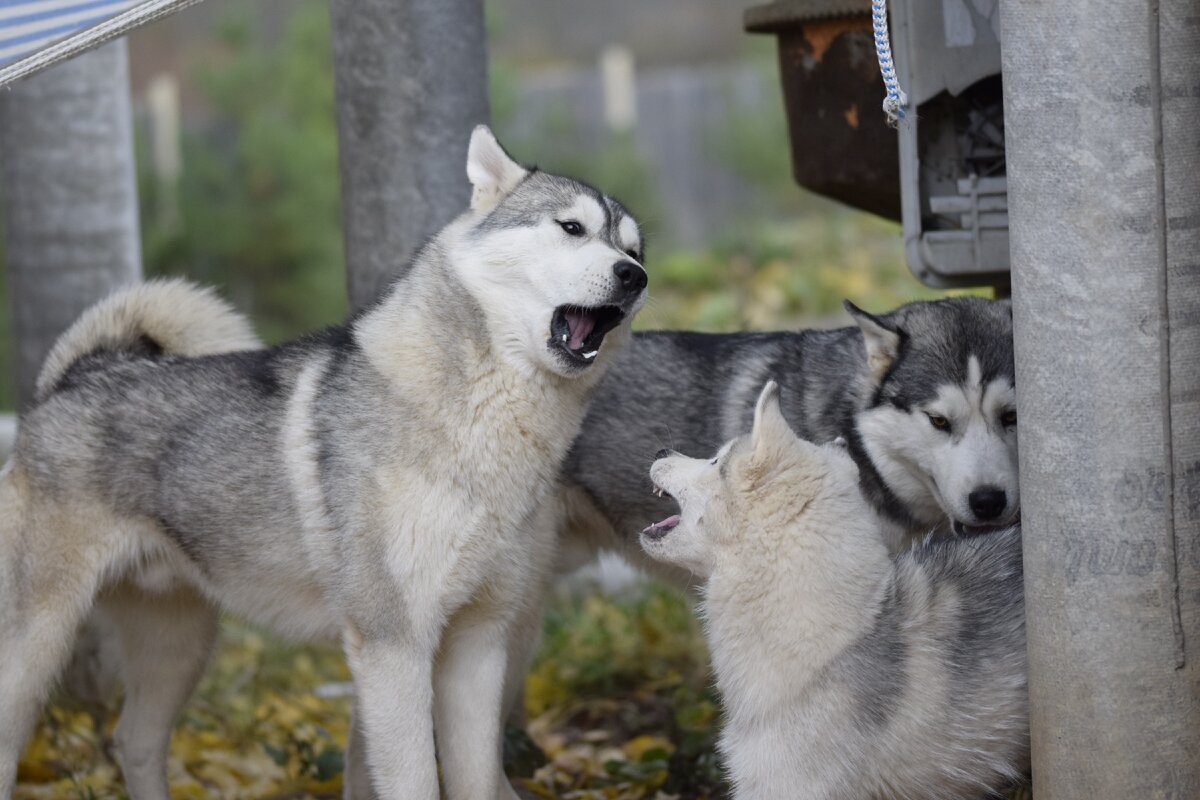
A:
(27, 26)
(36, 34)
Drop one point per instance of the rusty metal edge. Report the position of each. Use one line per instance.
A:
(773, 17)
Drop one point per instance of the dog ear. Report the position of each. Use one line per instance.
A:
(770, 428)
(490, 169)
(881, 340)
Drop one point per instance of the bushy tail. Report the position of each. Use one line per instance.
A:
(171, 316)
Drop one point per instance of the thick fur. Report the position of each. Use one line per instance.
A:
(846, 674)
(873, 384)
(383, 482)
(169, 316)
(160, 316)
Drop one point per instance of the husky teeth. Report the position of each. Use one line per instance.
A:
(591, 354)
(564, 338)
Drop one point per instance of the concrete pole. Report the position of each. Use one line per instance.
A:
(70, 197)
(411, 83)
(71, 237)
(1102, 118)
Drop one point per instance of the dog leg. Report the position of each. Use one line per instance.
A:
(468, 695)
(50, 568)
(356, 780)
(523, 639)
(166, 639)
(525, 632)
(35, 650)
(393, 686)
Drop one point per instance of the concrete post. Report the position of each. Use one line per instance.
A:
(411, 83)
(1102, 118)
(71, 237)
(70, 197)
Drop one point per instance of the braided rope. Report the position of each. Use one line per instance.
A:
(896, 102)
(92, 37)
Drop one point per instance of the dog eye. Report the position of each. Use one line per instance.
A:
(1008, 418)
(941, 423)
(571, 227)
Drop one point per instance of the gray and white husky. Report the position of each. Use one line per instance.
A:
(382, 482)
(924, 396)
(845, 673)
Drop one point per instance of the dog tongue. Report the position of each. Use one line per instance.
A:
(668, 523)
(580, 324)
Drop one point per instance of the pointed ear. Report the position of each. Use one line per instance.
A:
(880, 339)
(491, 171)
(770, 428)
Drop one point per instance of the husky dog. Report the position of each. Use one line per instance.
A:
(845, 674)
(382, 481)
(924, 396)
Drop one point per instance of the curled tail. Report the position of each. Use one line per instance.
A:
(168, 316)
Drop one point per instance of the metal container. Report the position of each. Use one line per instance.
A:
(953, 174)
(841, 145)
(942, 173)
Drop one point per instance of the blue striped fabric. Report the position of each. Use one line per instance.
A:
(27, 26)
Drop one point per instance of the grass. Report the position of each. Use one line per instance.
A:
(619, 699)
(619, 702)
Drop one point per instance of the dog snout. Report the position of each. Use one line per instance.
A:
(632, 277)
(987, 502)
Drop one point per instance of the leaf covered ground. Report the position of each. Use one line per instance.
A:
(619, 704)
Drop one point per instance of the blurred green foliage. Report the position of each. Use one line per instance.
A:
(259, 196)
(636, 669)
(781, 275)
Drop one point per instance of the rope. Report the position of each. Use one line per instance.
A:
(92, 37)
(896, 102)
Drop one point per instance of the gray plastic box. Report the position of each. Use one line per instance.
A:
(953, 185)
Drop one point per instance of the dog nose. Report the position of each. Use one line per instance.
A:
(987, 502)
(662, 453)
(632, 277)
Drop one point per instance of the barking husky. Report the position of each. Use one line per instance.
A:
(924, 396)
(381, 482)
(845, 674)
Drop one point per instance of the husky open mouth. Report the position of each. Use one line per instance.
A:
(660, 529)
(578, 331)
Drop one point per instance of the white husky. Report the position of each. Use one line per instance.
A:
(382, 482)
(845, 674)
